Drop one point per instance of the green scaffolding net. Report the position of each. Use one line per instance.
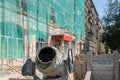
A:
(80, 24)
(67, 14)
(38, 20)
(11, 29)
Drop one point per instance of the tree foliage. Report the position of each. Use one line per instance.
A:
(111, 36)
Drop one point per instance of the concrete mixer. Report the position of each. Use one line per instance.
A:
(51, 62)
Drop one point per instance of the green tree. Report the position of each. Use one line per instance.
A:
(111, 36)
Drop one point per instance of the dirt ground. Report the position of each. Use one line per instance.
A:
(6, 74)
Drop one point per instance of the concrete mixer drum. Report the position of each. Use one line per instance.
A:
(49, 61)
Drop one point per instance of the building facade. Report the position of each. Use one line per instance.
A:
(94, 29)
(55, 22)
(68, 24)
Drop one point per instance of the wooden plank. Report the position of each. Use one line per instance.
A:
(102, 77)
(88, 75)
(78, 68)
(71, 76)
(102, 63)
(102, 67)
(102, 56)
(107, 73)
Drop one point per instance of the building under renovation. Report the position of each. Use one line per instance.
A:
(64, 24)
(23, 22)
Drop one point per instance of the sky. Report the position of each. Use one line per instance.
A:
(100, 7)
